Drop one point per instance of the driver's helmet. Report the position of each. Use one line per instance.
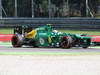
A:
(55, 31)
(28, 28)
(48, 24)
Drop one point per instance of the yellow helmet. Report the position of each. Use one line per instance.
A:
(48, 24)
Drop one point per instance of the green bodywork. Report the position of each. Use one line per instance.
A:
(45, 37)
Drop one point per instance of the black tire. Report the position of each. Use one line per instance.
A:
(85, 46)
(16, 41)
(66, 42)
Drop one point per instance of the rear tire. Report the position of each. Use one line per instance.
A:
(17, 41)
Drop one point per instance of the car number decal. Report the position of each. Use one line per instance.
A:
(41, 40)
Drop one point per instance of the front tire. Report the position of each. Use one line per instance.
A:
(85, 46)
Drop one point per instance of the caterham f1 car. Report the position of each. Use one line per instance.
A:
(45, 36)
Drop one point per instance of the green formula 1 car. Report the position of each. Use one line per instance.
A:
(47, 37)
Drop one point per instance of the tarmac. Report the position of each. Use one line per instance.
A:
(49, 61)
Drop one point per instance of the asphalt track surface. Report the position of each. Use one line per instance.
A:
(49, 65)
(55, 50)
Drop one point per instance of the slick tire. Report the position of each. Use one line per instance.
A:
(66, 42)
(85, 47)
(17, 41)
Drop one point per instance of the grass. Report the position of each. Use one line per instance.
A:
(50, 53)
(6, 31)
(81, 32)
(10, 31)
